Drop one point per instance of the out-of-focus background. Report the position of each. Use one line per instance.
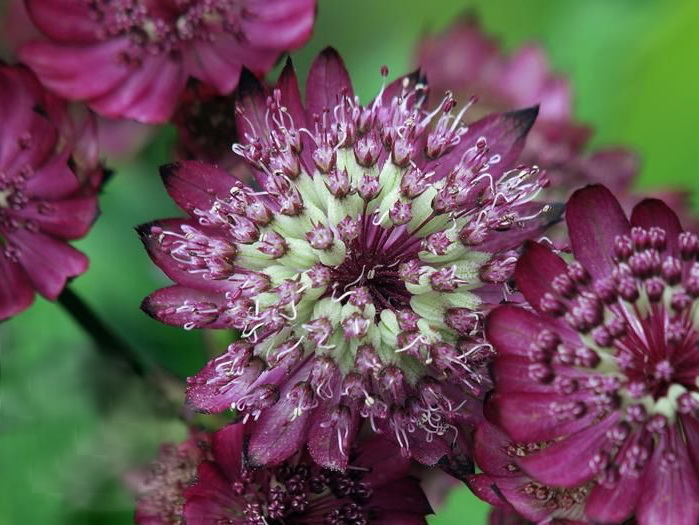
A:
(71, 426)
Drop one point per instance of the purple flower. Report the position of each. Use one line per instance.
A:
(161, 488)
(359, 268)
(132, 59)
(376, 488)
(48, 185)
(503, 484)
(606, 365)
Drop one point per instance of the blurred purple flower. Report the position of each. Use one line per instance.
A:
(606, 366)
(358, 271)
(376, 488)
(469, 62)
(132, 59)
(49, 177)
(160, 489)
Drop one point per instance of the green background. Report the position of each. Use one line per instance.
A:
(71, 425)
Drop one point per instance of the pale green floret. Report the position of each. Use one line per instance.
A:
(667, 405)
(322, 208)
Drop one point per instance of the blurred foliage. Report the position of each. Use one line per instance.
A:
(64, 448)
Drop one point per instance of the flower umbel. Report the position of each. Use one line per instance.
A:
(357, 271)
(132, 59)
(48, 192)
(607, 366)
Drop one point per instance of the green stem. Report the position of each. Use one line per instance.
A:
(106, 341)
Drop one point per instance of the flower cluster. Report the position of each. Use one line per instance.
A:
(132, 59)
(205, 480)
(604, 367)
(49, 178)
(357, 269)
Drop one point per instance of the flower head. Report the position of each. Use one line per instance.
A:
(376, 488)
(132, 59)
(48, 183)
(358, 271)
(606, 366)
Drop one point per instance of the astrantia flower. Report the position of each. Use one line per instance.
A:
(161, 489)
(503, 484)
(376, 488)
(48, 183)
(606, 367)
(358, 271)
(131, 59)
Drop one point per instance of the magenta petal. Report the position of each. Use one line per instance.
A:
(148, 95)
(219, 63)
(327, 81)
(670, 491)
(613, 505)
(654, 212)
(595, 219)
(329, 441)
(16, 290)
(209, 499)
(535, 271)
(411, 500)
(526, 416)
(690, 425)
(195, 185)
(385, 460)
(64, 21)
(227, 445)
(180, 306)
(65, 219)
(277, 435)
(77, 72)
(284, 24)
(490, 449)
(567, 463)
(486, 489)
(512, 329)
(48, 262)
(54, 180)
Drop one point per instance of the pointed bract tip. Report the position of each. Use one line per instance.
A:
(168, 170)
(248, 82)
(523, 119)
(330, 52)
(145, 230)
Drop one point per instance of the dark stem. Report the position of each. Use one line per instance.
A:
(106, 341)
